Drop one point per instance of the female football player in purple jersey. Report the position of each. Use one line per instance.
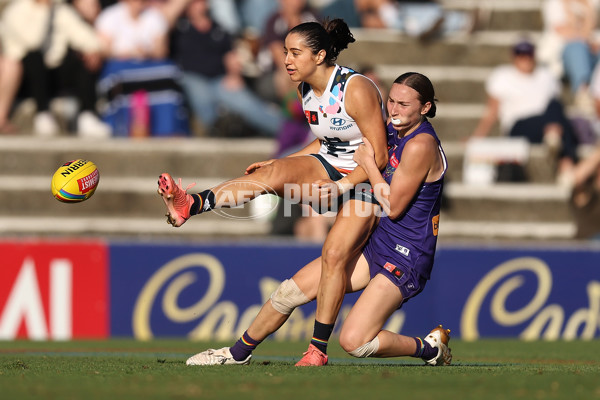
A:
(400, 252)
(342, 108)
(397, 260)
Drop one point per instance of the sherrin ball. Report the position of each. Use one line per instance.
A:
(75, 181)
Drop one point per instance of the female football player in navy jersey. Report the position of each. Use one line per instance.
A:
(396, 261)
(343, 108)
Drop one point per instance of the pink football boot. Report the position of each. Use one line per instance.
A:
(312, 358)
(177, 200)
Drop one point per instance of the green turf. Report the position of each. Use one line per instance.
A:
(125, 369)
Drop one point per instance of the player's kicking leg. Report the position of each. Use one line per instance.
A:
(283, 177)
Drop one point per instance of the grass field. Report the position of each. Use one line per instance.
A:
(126, 369)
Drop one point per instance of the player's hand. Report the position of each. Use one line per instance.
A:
(325, 188)
(325, 192)
(364, 154)
(254, 166)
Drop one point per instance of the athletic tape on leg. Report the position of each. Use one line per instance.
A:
(366, 349)
(287, 297)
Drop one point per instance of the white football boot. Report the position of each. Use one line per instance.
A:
(439, 338)
(216, 357)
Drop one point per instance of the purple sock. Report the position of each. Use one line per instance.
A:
(243, 347)
(424, 349)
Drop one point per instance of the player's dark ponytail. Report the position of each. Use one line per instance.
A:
(340, 36)
(333, 36)
(422, 85)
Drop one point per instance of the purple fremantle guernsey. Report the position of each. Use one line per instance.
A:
(408, 243)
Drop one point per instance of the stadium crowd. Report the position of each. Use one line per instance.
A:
(174, 67)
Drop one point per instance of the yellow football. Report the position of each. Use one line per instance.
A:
(75, 181)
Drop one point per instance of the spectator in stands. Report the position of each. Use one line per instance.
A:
(568, 45)
(274, 82)
(212, 75)
(524, 97)
(370, 72)
(58, 50)
(87, 9)
(138, 81)
(245, 20)
(424, 19)
(345, 9)
(11, 72)
(585, 198)
(586, 176)
(171, 10)
(242, 17)
(595, 94)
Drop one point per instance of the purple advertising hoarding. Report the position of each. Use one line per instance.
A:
(212, 292)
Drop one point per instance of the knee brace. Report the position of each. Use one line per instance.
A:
(287, 297)
(366, 349)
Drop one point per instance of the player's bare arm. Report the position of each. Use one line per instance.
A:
(420, 163)
(362, 97)
(365, 158)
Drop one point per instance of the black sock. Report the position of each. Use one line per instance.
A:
(424, 349)
(204, 201)
(243, 347)
(321, 335)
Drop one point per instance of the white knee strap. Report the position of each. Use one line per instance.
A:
(287, 297)
(366, 349)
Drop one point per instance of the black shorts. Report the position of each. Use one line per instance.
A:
(361, 192)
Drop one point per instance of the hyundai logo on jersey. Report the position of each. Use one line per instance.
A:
(338, 121)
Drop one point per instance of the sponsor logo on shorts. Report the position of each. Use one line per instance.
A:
(391, 268)
(402, 250)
